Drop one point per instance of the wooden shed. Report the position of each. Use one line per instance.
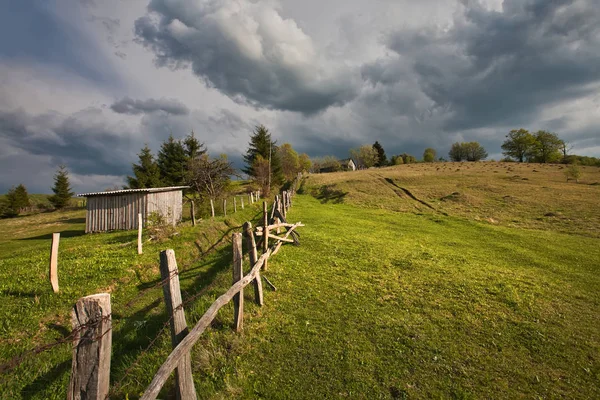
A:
(118, 209)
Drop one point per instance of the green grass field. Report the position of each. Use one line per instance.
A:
(390, 295)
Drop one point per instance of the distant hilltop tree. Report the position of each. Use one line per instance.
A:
(429, 155)
(381, 157)
(467, 151)
(62, 189)
(16, 200)
(518, 145)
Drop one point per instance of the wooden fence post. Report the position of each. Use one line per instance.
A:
(212, 208)
(265, 233)
(278, 208)
(225, 207)
(170, 276)
(193, 212)
(242, 200)
(253, 255)
(54, 262)
(234, 204)
(140, 226)
(90, 369)
(251, 198)
(238, 273)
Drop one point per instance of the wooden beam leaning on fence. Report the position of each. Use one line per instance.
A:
(182, 350)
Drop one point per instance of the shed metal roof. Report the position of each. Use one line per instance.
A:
(145, 190)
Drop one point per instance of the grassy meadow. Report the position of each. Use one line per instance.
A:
(421, 281)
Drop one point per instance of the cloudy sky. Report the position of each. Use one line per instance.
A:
(86, 83)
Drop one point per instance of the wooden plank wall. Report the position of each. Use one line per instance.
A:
(107, 213)
(168, 204)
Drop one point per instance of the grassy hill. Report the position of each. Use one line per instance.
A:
(417, 281)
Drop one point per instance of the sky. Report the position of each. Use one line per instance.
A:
(86, 83)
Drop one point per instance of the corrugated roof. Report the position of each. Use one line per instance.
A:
(146, 190)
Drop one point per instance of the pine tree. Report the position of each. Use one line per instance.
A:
(146, 173)
(381, 157)
(16, 199)
(261, 144)
(193, 147)
(62, 189)
(172, 161)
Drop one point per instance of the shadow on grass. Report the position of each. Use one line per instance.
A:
(63, 234)
(42, 382)
(327, 193)
(72, 221)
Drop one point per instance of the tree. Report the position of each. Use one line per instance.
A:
(407, 158)
(429, 155)
(305, 162)
(192, 146)
(290, 163)
(17, 199)
(262, 144)
(366, 156)
(146, 173)
(209, 177)
(62, 189)
(547, 147)
(397, 160)
(381, 157)
(261, 171)
(469, 151)
(172, 160)
(519, 144)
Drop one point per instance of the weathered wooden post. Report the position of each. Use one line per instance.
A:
(212, 208)
(225, 207)
(253, 255)
(53, 275)
(193, 212)
(90, 368)
(238, 273)
(265, 234)
(169, 274)
(140, 226)
(284, 204)
(234, 204)
(251, 198)
(278, 208)
(242, 200)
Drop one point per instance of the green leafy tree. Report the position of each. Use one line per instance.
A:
(547, 147)
(519, 144)
(62, 189)
(408, 159)
(366, 156)
(145, 174)
(172, 160)
(397, 160)
(381, 157)
(467, 151)
(429, 155)
(262, 145)
(208, 177)
(290, 162)
(305, 162)
(17, 199)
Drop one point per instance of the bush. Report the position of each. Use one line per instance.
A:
(158, 227)
(573, 172)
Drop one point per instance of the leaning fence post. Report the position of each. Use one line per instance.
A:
(265, 234)
(90, 369)
(212, 208)
(140, 233)
(193, 212)
(170, 276)
(253, 255)
(54, 261)
(238, 273)
(234, 205)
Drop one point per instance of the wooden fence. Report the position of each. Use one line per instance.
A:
(92, 314)
(251, 197)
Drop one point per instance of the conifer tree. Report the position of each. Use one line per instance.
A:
(146, 173)
(62, 189)
(171, 162)
(381, 157)
(16, 199)
(261, 144)
(193, 147)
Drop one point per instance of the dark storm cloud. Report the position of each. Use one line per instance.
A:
(247, 51)
(136, 107)
(500, 68)
(83, 141)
